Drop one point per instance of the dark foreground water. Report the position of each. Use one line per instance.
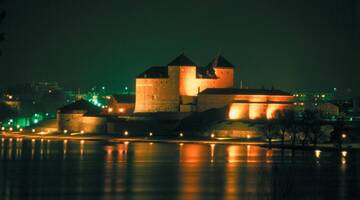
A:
(36, 170)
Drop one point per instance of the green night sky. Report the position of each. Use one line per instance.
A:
(292, 45)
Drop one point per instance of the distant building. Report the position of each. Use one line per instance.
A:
(119, 104)
(45, 86)
(329, 110)
(81, 117)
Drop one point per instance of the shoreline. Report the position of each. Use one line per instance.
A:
(113, 139)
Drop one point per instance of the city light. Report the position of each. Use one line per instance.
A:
(2, 128)
(82, 141)
(317, 153)
(150, 134)
(343, 135)
(82, 131)
(181, 134)
(344, 153)
(21, 130)
(126, 133)
(65, 131)
(121, 110)
(33, 130)
(11, 129)
(212, 135)
(248, 136)
(110, 110)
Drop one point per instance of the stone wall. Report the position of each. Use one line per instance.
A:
(157, 95)
(77, 122)
(245, 106)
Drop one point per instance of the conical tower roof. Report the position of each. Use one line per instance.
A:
(182, 60)
(220, 61)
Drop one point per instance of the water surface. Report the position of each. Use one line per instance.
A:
(74, 170)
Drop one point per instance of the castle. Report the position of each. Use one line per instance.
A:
(179, 88)
(182, 86)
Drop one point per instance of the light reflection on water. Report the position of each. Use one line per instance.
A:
(41, 169)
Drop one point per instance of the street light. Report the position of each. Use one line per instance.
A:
(344, 153)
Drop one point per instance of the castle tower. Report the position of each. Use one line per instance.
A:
(186, 68)
(224, 70)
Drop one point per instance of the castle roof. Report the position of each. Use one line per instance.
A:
(80, 105)
(124, 98)
(238, 91)
(182, 60)
(220, 61)
(205, 72)
(155, 72)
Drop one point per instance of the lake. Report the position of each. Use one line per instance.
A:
(67, 170)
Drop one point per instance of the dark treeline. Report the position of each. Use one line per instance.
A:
(304, 129)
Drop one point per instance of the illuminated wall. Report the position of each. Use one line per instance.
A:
(164, 94)
(245, 106)
(225, 77)
(190, 85)
(118, 108)
(158, 94)
(259, 106)
(77, 122)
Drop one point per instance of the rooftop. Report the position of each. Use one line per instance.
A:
(155, 72)
(220, 61)
(80, 105)
(182, 60)
(124, 98)
(222, 91)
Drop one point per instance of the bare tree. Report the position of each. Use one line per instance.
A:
(285, 119)
(311, 126)
(270, 129)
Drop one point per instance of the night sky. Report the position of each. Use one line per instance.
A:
(291, 45)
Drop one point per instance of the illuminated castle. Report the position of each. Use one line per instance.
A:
(182, 86)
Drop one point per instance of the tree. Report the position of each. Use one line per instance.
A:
(311, 126)
(269, 128)
(294, 130)
(336, 135)
(285, 119)
(316, 131)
